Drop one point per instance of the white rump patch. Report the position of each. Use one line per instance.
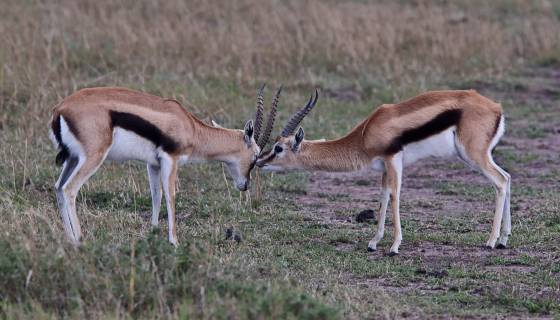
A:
(498, 135)
(70, 141)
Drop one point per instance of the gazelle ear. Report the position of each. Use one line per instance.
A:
(216, 125)
(298, 139)
(248, 132)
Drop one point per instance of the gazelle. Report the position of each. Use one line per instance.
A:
(119, 124)
(437, 123)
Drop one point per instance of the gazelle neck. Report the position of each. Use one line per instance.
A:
(344, 154)
(216, 144)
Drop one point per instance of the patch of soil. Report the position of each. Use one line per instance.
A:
(512, 268)
(536, 85)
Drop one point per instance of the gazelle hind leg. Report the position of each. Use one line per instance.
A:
(71, 228)
(385, 194)
(169, 177)
(506, 220)
(501, 183)
(67, 193)
(154, 177)
(478, 156)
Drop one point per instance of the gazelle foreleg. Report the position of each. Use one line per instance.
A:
(168, 178)
(385, 194)
(394, 171)
(154, 176)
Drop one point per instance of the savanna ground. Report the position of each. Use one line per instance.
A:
(302, 254)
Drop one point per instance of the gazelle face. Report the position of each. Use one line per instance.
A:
(244, 160)
(284, 154)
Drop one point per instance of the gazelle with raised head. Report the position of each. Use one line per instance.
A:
(437, 123)
(120, 124)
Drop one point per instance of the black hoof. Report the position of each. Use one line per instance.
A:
(500, 246)
(392, 254)
(371, 249)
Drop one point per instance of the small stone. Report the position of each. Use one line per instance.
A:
(229, 233)
(237, 237)
(365, 216)
(233, 235)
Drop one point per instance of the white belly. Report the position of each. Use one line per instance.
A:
(128, 145)
(441, 145)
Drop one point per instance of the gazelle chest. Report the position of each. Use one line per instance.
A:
(127, 145)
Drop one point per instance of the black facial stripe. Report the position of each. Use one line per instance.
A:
(144, 129)
(252, 165)
(438, 124)
(271, 157)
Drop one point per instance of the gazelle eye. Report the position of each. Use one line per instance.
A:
(278, 149)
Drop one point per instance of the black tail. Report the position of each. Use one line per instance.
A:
(63, 154)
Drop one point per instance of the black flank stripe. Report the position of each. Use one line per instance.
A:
(438, 124)
(144, 129)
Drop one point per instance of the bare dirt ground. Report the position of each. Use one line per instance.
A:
(444, 198)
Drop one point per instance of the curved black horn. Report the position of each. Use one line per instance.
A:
(259, 113)
(270, 122)
(299, 115)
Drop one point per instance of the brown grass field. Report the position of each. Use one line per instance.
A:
(302, 254)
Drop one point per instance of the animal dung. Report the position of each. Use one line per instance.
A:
(233, 235)
(365, 216)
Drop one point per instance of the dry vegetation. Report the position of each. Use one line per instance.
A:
(212, 55)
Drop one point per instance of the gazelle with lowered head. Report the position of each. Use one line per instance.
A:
(120, 124)
(436, 123)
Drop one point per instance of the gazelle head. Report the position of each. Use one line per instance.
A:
(285, 152)
(244, 160)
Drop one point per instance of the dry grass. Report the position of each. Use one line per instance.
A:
(51, 49)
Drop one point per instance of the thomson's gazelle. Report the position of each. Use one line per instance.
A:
(119, 124)
(437, 123)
